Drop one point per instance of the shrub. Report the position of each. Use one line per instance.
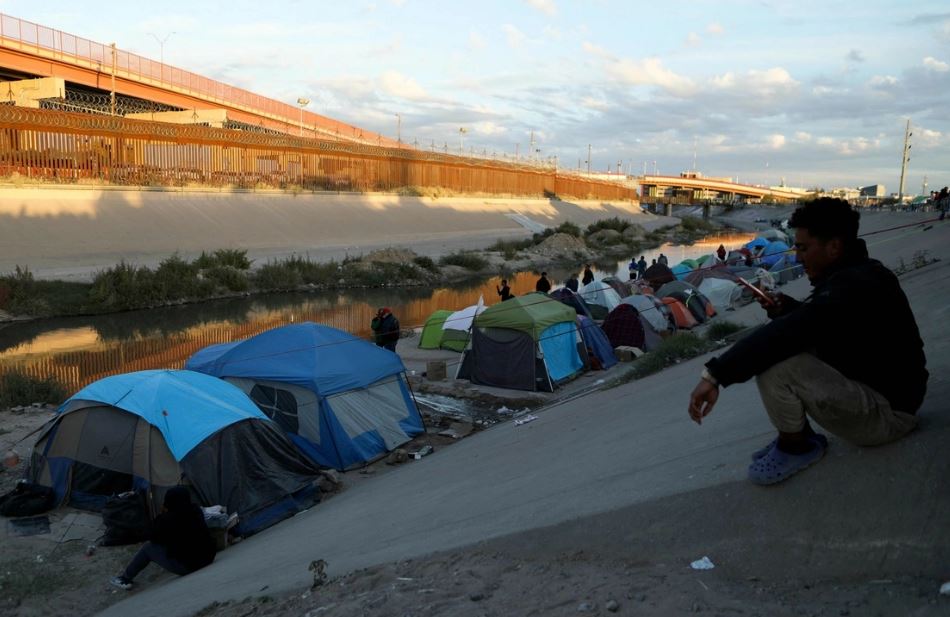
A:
(568, 228)
(177, 279)
(124, 287)
(470, 261)
(426, 263)
(312, 272)
(20, 293)
(510, 248)
(692, 224)
(719, 330)
(277, 276)
(615, 223)
(228, 277)
(19, 389)
(235, 258)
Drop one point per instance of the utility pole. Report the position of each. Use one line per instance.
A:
(905, 158)
(398, 129)
(112, 93)
(923, 188)
(588, 159)
(531, 145)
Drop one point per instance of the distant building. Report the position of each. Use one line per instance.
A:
(875, 190)
(846, 193)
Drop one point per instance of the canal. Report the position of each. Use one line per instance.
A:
(79, 350)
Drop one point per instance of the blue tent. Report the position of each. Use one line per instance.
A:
(596, 341)
(680, 270)
(151, 430)
(776, 251)
(756, 243)
(343, 400)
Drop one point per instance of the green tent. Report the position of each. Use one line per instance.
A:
(532, 314)
(432, 331)
(692, 263)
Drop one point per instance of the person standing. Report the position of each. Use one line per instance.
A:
(641, 267)
(815, 360)
(504, 291)
(662, 260)
(543, 284)
(181, 542)
(721, 253)
(386, 329)
(588, 276)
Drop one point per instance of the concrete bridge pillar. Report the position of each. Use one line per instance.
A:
(707, 208)
(668, 209)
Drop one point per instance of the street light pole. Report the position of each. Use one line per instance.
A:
(588, 159)
(398, 129)
(161, 51)
(303, 103)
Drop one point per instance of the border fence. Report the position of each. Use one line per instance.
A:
(55, 146)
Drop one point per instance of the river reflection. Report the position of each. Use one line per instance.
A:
(79, 350)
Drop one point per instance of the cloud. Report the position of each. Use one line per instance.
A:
(489, 128)
(776, 141)
(855, 55)
(396, 84)
(769, 83)
(715, 28)
(553, 33)
(882, 82)
(515, 37)
(649, 72)
(693, 40)
(928, 137)
(398, 3)
(545, 6)
(802, 136)
(936, 65)
(597, 104)
(476, 40)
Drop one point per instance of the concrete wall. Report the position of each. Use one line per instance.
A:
(69, 233)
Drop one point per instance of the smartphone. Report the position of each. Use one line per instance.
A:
(755, 290)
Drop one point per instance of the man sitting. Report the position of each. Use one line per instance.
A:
(822, 358)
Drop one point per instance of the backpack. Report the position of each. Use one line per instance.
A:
(127, 519)
(27, 499)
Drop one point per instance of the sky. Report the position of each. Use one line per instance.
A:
(809, 93)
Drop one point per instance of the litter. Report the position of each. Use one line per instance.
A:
(423, 451)
(703, 564)
(32, 526)
(945, 589)
(525, 419)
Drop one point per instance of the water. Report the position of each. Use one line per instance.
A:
(79, 350)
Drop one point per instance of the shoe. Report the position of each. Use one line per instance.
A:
(121, 582)
(815, 438)
(777, 466)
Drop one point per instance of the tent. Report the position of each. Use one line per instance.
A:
(623, 327)
(151, 430)
(683, 316)
(595, 342)
(431, 337)
(623, 288)
(657, 274)
(526, 343)
(343, 400)
(723, 293)
(773, 234)
(571, 299)
(681, 270)
(457, 326)
(600, 298)
(651, 309)
(776, 251)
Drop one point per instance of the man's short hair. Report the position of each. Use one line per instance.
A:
(826, 218)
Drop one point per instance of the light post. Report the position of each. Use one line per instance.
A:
(161, 51)
(462, 131)
(303, 103)
(398, 129)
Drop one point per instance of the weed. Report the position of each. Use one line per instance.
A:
(277, 276)
(615, 223)
(228, 277)
(672, 350)
(720, 330)
(426, 263)
(470, 261)
(19, 389)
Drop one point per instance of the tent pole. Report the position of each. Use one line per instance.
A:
(412, 394)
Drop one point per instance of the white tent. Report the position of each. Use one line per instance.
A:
(599, 293)
(462, 319)
(723, 293)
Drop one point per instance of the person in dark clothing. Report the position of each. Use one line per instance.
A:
(504, 291)
(588, 275)
(572, 284)
(543, 285)
(819, 358)
(642, 267)
(721, 253)
(662, 260)
(181, 542)
(386, 329)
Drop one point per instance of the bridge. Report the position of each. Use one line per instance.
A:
(47, 68)
(699, 188)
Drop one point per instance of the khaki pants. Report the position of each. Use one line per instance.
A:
(804, 386)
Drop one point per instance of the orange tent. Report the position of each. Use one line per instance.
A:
(681, 314)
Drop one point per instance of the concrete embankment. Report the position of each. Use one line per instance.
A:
(69, 233)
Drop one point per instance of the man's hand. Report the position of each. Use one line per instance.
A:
(777, 305)
(702, 400)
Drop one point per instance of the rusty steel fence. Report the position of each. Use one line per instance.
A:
(57, 146)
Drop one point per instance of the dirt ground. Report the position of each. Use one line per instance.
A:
(63, 572)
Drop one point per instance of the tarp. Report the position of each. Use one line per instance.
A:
(187, 407)
(462, 319)
(559, 344)
(596, 340)
(531, 313)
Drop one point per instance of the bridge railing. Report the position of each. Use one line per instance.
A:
(16, 33)
(57, 146)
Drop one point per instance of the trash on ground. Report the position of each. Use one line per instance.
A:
(526, 419)
(28, 526)
(945, 589)
(423, 451)
(703, 564)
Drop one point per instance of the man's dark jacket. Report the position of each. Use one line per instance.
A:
(857, 320)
